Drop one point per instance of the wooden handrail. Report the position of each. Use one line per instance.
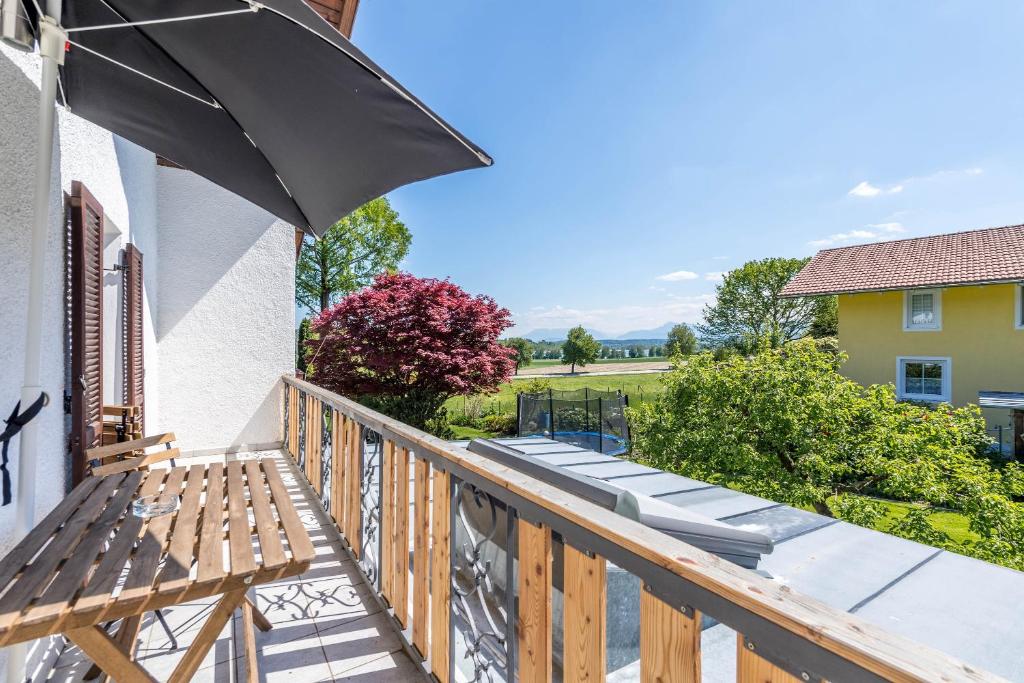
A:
(762, 610)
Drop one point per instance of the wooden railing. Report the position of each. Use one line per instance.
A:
(492, 550)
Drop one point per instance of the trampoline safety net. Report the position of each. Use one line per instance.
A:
(587, 418)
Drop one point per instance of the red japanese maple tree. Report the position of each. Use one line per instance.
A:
(406, 344)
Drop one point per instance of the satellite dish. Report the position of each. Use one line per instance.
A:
(16, 26)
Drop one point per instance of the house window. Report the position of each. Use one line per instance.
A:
(922, 310)
(924, 379)
(1018, 308)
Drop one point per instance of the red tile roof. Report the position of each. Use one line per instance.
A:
(961, 258)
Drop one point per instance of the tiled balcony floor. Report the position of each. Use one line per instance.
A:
(327, 625)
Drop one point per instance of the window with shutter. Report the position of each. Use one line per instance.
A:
(134, 370)
(86, 334)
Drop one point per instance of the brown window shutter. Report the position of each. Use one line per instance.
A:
(86, 339)
(134, 368)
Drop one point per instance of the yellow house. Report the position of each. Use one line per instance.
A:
(940, 317)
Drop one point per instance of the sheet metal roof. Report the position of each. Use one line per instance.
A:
(968, 608)
(1001, 399)
(962, 258)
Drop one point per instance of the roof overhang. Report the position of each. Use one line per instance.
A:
(900, 288)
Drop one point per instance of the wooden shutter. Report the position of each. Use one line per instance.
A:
(86, 340)
(134, 370)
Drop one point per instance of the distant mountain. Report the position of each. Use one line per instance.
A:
(660, 332)
(560, 333)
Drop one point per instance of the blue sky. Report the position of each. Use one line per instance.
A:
(642, 148)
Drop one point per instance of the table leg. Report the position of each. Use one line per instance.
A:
(207, 636)
(261, 620)
(127, 636)
(249, 636)
(108, 655)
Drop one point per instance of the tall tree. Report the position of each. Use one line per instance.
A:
(523, 348)
(300, 351)
(748, 310)
(405, 345)
(826, 318)
(369, 241)
(681, 341)
(579, 348)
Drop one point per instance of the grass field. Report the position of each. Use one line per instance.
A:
(639, 387)
(601, 361)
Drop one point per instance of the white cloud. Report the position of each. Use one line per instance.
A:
(714, 276)
(890, 228)
(678, 276)
(879, 230)
(617, 319)
(866, 189)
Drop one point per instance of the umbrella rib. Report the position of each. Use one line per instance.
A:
(253, 7)
(214, 103)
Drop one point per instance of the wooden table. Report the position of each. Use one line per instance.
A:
(91, 560)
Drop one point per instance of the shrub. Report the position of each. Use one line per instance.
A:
(502, 424)
(784, 424)
(534, 386)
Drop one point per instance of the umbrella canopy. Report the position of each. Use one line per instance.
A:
(265, 99)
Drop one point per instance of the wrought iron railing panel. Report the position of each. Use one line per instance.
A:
(300, 457)
(326, 453)
(371, 449)
(483, 585)
(287, 416)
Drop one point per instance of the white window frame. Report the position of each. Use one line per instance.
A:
(936, 299)
(947, 379)
(1018, 306)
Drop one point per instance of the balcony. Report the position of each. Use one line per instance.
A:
(435, 562)
(491, 574)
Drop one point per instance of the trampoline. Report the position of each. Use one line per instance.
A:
(587, 418)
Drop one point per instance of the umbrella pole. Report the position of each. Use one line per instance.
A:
(51, 48)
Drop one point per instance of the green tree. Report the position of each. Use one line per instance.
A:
(749, 310)
(785, 425)
(826, 318)
(579, 348)
(300, 348)
(369, 241)
(523, 348)
(681, 341)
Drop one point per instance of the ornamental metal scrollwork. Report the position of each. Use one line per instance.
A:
(287, 415)
(301, 455)
(371, 448)
(482, 584)
(326, 427)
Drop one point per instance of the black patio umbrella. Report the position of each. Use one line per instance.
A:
(265, 99)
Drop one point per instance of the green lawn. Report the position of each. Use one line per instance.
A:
(471, 433)
(953, 524)
(639, 387)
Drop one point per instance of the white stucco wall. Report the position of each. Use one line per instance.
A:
(218, 293)
(82, 152)
(226, 322)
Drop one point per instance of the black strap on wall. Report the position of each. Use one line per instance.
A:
(14, 424)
